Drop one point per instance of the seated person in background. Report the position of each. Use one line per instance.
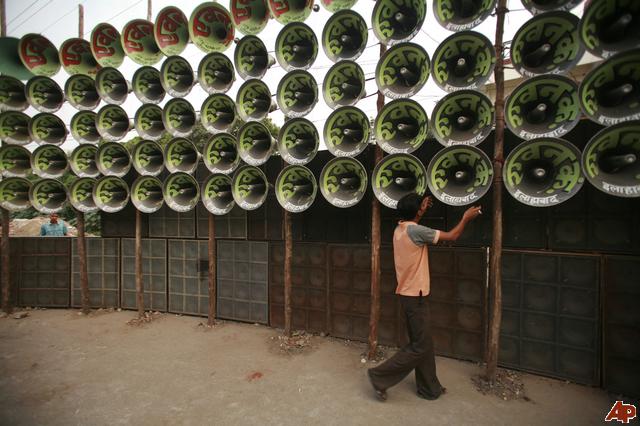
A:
(55, 227)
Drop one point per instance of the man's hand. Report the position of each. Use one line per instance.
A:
(427, 202)
(471, 213)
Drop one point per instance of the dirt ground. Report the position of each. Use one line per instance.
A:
(61, 368)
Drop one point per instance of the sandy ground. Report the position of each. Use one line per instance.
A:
(60, 368)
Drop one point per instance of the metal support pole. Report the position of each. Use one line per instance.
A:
(288, 250)
(6, 278)
(138, 260)
(82, 260)
(212, 269)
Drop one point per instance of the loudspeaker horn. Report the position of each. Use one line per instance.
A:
(49, 161)
(10, 61)
(607, 26)
(296, 47)
(337, 5)
(211, 27)
(44, 94)
(251, 58)
(176, 76)
(106, 45)
(14, 193)
(220, 154)
(76, 57)
(148, 122)
(181, 155)
(171, 31)
(542, 6)
(112, 123)
(346, 132)
(146, 194)
(543, 106)
(12, 95)
(463, 14)
(179, 118)
(610, 94)
(83, 161)
(611, 160)
(249, 187)
(112, 86)
(547, 44)
(80, 90)
(296, 188)
(216, 194)
(465, 117)
(80, 194)
(290, 11)
(345, 36)
(14, 127)
(396, 21)
(146, 85)
(343, 182)
(297, 94)
(403, 70)
(148, 158)
(459, 175)
(254, 101)
(401, 126)
(255, 143)
(48, 196)
(218, 113)
(216, 73)
(250, 16)
(15, 161)
(298, 141)
(543, 172)
(396, 176)
(110, 194)
(83, 127)
(38, 55)
(46, 128)
(181, 192)
(343, 85)
(113, 159)
(139, 43)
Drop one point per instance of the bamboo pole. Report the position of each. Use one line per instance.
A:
(80, 21)
(212, 270)
(149, 10)
(138, 260)
(6, 279)
(3, 19)
(288, 250)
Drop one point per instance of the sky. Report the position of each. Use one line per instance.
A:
(58, 20)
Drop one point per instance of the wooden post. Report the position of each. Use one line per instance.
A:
(288, 250)
(3, 19)
(82, 260)
(212, 269)
(495, 258)
(6, 279)
(80, 21)
(148, 10)
(138, 260)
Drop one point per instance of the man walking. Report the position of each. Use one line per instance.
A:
(411, 259)
(55, 227)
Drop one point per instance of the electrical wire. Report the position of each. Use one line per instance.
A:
(32, 15)
(21, 13)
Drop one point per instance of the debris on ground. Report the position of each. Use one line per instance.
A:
(379, 356)
(206, 327)
(255, 375)
(299, 342)
(508, 385)
(147, 318)
(20, 315)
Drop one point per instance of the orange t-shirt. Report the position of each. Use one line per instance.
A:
(412, 258)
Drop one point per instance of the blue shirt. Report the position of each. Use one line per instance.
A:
(53, 229)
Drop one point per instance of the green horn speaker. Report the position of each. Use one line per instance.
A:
(110, 194)
(139, 43)
(49, 161)
(83, 161)
(610, 93)
(611, 160)
(15, 161)
(216, 194)
(83, 127)
(80, 194)
(14, 193)
(14, 127)
(148, 158)
(10, 60)
(254, 100)
(609, 27)
(112, 87)
(44, 94)
(296, 188)
(296, 46)
(106, 45)
(346, 132)
(298, 141)
(401, 126)
(343, 182)
(547, 44)
(464, 60)
(80, 90)
(181, 155)
(148, 122)
(218, 113)
(216, 73)
(113, 159)
(76, 57)
(220, 154)
(181, 192)
(12, 95)
(179, 118)
(396, 21)
(38, 55)
(464, 117)
(345, 36)
(459, 15)
(146, 194)
(459, 175)
(297, 93)
(176, 76)
(403, 70)
(542, 6)
(396, 176)
(343, 85)
(46, 128)
(249, 187)
(543, 106)
(211, 27)
(251, 58)
(112, 123)
(290, 11)
(146, 85)
(171, 31)
(249, 16)
(48, 196)
(543, 172)
(255, 143)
